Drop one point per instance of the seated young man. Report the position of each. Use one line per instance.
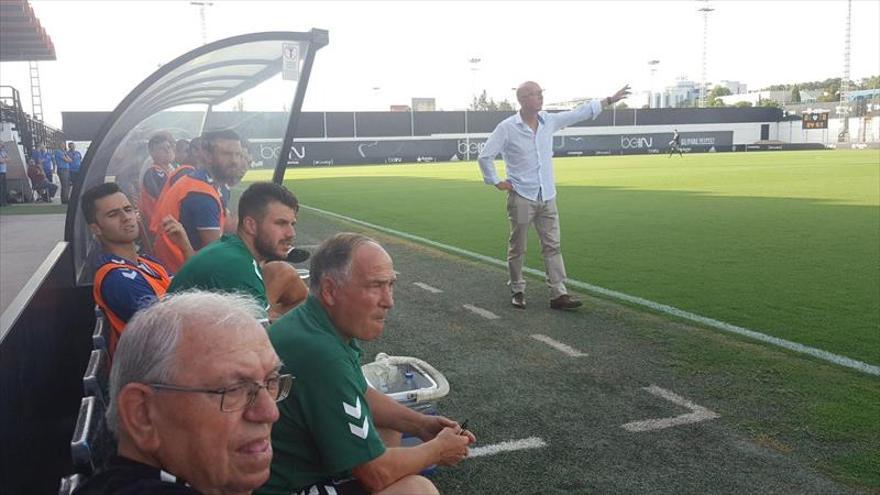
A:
(125, 280)
(195, 199)
(235, 263)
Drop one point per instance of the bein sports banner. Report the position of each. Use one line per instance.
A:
(264, 152)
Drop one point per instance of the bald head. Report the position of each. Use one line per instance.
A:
(530, 96)
(526, 87)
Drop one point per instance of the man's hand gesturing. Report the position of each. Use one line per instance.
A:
(624, 92)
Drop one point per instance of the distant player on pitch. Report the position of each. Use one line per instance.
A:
(675, 144)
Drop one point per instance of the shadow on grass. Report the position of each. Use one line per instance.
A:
(799, 269)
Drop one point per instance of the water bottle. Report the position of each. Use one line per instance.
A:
(408, 381)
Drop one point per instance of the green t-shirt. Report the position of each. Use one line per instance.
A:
(225, 265)
(326, 428)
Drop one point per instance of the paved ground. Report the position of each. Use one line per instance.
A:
(569, 405)
(25, 240)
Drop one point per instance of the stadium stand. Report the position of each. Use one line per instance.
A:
(339, 138)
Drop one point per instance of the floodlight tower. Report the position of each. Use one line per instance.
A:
(474, 66)
(474, 63)
(705, 10)
(843, 108)
(202, 6)
(652, 65)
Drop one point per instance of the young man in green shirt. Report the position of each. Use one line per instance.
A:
(266, 220)
(336, 435)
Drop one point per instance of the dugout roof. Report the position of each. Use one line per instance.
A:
(202, 78)
(22, 38)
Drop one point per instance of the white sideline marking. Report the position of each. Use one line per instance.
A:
(432, 290)
(870, 369)
(697, 414)
(508, 446)
(485, 313)
(830, 357)
(559, 346)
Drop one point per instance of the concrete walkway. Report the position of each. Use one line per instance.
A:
(25, 241)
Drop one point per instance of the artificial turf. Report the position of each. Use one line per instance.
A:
(785, 243)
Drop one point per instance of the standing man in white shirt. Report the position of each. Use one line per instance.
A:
(525, 141)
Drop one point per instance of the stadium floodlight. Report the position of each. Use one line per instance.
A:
(843, 108)
(705, 10)
(202, 6)
(652, 65)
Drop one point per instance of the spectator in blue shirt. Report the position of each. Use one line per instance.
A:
(525, 141)
(75, 162)
(62, 166)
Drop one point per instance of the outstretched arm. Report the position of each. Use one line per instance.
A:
(622, 93)
(586, 111)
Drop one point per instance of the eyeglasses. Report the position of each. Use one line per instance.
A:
(240, 396)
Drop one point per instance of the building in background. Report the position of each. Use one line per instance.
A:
(424, 104)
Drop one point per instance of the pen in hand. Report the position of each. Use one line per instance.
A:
(463, 427)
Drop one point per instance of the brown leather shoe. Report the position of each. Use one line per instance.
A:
(565, 302)
(519, 300)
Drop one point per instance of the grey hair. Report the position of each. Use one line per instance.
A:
(333, 259)
(147, 349)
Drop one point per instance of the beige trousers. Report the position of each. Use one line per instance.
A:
(522, 212)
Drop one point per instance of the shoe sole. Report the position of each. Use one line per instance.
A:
(569, 307)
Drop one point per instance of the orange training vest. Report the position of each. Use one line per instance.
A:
(169, 204)
(159, 286)
(154, 225)
(147, 203)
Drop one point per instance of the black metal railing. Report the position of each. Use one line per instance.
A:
(32, 132)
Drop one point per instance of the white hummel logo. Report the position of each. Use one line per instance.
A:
(361, 431)
(353, 411)
(130, 275)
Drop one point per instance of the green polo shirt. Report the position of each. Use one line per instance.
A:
(224, 265)
(326, 428)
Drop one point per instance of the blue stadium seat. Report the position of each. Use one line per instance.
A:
(96, 380)
(92, 444)
(101, 335)
(69, 484)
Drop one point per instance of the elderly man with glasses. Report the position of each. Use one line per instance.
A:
(193, 393)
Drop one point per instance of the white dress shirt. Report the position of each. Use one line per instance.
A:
(528, 155)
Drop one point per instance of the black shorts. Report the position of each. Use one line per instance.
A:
(350, 486)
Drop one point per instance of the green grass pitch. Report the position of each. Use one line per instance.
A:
(785, 243)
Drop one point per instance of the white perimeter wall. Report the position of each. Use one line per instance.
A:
(861, 130)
